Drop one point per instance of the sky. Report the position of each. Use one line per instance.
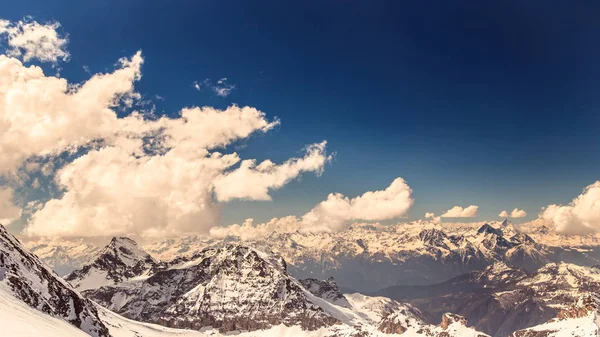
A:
(487, 104)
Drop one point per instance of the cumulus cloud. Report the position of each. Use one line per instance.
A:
(145, 176)
(109, 191)
(44, 115)
(8, 210)
(250, 231)
(252, 181)
(580, 216)
(330, 215)
(460, 212)
(516, 213)
(137, 174)
(434, 219)
(335, 212)
(32, 40)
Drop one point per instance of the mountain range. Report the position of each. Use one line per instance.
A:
(502, 281)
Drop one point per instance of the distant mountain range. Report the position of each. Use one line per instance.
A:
(370, 257)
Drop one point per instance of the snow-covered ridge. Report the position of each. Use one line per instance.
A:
(26, 279)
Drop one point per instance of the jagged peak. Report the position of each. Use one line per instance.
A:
(487, 228)
(432, 234)
(522, 238)
(126, 250)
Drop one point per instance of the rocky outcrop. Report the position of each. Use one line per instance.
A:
(327, 290)
(450, 318)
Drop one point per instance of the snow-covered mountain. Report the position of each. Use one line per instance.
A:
(371, 257)
(232, 287)
(500, 299)
(27, 284)
(65, 254)
(121, 260)
(580, 319)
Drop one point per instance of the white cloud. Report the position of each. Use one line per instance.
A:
(8, 210)
(249, 231)
(44, 115)
(335, 212)
(31, 40)
(330, 215)
(252, 181)
(133, 174)
(109, 191)
(516, 213)
(221, 88)
(434, 219)
(141, 176)
(459, 212)
(581, 216)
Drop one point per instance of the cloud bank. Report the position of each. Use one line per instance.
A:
(335, 212)
(127, 175)
(332, 214)
(580, 216)
(459, 212)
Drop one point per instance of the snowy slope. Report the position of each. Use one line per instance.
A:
(17, 319)
(28, 280)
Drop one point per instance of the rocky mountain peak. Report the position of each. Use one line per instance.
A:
(432, 236)
(229, 287)
(488, 229)
(121, 260)
(522, 238)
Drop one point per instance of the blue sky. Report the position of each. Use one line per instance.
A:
(471, 103)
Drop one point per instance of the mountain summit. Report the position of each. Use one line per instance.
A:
(121, 260)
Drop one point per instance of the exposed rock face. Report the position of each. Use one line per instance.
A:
(584, 306)
(121, 260)
(230, 288)
(449, 318)
(400, 319)
(327, 290)
(580, 319)
(500, 299)
(25, 277)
